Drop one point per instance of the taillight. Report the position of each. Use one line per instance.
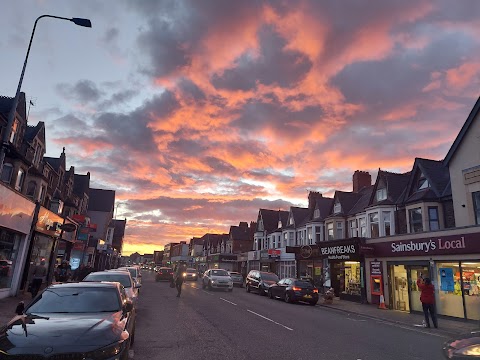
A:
(296, 288)
(315, 291)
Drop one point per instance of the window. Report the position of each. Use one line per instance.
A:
(381, 194)
(14, 131)
(31, 187)
(290, 221)
(38, 153)
(422, 182)
(476, 206)
(316, 214)
(387, 218)
(260, 225)
(363, 227)
(433, 218)
(7, 172)
(415, 216)
(318, 232)
(339, 234)
(337, 208)
(41, 194)
(374, 226)
(309, 236)
(279, 225)
(330, 231)
(285, 239)
(353, 228)
(20, 178)
(291, 237)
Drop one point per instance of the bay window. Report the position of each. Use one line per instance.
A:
(330, 231)
(353, 228)
(318, 232)
(387, 218)
(309, 236)
(339, 233)
(433, 219)
(416, 222)
(374, 225)
(363, 227)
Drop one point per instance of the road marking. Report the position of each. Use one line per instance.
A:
(228, 301)
(206, 292)
(412, 329)
(131, 354)
(273, 321)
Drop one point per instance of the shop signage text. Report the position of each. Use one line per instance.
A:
(48, 222)
(376, 268)
(339, 251)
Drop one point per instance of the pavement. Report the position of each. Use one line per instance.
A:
(213, 325)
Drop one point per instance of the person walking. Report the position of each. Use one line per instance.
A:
(179, 279)
(38, 274)
(427, 297)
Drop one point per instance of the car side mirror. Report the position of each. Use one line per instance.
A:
(128, 306)
(137, 286)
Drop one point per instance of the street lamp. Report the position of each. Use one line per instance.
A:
(13, 109)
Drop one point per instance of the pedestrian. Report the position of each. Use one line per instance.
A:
(78, 273)
(38, 275)
(179, 279)
(63, 272)
(427, 297)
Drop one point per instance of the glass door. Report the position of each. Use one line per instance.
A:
(415, 272)
(400, 288)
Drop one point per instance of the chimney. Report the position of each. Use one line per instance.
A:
(312, 197)
(361, 179)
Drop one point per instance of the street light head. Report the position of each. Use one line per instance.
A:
(82, 22)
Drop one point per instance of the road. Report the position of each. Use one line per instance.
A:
(238, 325)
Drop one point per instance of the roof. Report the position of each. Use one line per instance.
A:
(347, 201)
(463, 131)
(395, 184)
(7, 102)
(240, 233)
(32, 131)
(325, 205)
(101, 200)
(119, 228)
(363, 201)
(271, 217)
(81, 184)
(300, 215)
(197, 241)
(54, 162)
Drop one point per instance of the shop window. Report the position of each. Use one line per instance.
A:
(471, 289)
(476, 206)
(387, 216)
(449, 290)
(433, 219)
(353, 228)
(352, 278)
(400, 288)
(9, 242)
(374, 226)
(330, 231)
(339, 234)
(416, 222)
(7, 173)
(363, 227)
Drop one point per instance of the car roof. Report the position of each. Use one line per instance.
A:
(98, 284)
(234, 272)
(191, 269)
(126, 273)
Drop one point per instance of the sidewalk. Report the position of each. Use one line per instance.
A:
(9, 304)
(447, 327)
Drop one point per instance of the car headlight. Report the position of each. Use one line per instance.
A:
(213, 281)
(184, 274)
(107, 351)
(473, 350)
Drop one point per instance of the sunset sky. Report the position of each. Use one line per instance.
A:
(198, 113)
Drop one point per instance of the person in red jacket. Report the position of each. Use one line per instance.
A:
(427, 297)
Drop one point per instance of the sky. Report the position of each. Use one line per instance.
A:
(200, 112)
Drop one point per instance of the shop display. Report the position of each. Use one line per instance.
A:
(352, 279)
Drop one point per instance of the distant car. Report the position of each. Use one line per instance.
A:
(190, 274)
(292, 290)
(164, 274)
(260, 281)
(72, 321)
(123, 277)
(217, 279)
(134, 272)
(463, 347)
(5, 266)
(237, 278)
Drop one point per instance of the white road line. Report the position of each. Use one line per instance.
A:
(273, 321)
(206, 292)
(131, 354)
(228, 301)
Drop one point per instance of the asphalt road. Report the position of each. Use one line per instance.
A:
(221, 325)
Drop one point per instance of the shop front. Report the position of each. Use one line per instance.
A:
(222, 261)
(253, 260)
(267, 260)
(451, 259)
(285, 263)
(16, 217)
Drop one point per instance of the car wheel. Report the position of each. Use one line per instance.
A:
(247, 288)
(287, 298)
(261, 292)
(270, 294)
(313, 303)
(203, 284)
(210, 285)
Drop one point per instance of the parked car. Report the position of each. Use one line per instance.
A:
(260, 281)
(123, 277)
(135, 273)
(237, 278)
(86, 321)
(190, 274)
(164, 274)
(463, 347)
(292, 290)
(5, 266)
(217, 279)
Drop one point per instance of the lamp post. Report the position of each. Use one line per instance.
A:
(13, 109)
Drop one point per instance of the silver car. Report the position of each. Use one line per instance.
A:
(123, 277)
(217, 279)
(237, 278)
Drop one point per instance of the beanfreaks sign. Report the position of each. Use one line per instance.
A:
(343, 250)
(445, 245)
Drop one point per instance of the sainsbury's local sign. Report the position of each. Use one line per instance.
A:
(445, 245)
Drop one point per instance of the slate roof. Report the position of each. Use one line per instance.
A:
(270, 218)
(347, 201)
(81, 184)
(395, 183)
(300, 215)
(239, 233)
(101, 200)
(6, 104)
(362, 203)
(54, 162)
(325, 205)
(119, 228)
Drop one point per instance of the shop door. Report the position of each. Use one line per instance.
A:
(337, 278)
(414, 272)
(399, 284)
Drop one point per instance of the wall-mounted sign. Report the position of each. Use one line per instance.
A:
(376, 268)
(48, 222)
(16, 212)
(68, 227)
(340, 250)
(306, 251)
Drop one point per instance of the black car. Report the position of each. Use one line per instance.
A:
(292, 290)
(463, 347)
(164, 273)
(260, 281)
(72, 321)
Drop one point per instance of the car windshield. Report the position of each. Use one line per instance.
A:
(219, 273)
(133, 272)
(191, 271)
(123, 279)
(303, 284)
(234, 273)
(269, 277)
(76, 300)
(166, 270)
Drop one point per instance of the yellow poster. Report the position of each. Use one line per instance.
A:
(318, 271)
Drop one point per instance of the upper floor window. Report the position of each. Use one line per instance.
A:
(330, 231)
(31, 187)
(381, 194)
(20, 179)
(309, 236)
(476, 206)
(337, 208)
(339, 234)
(14, 131)
(318, 234)
(290, 221)
(7, 172)
(433, 219)
(38, 154)
(416, 222)
(260, 225)
(362, 224)
(387, 223)
(422, 182)
(374, 225)
(279, 224)
(41, 194)
(352, 228)
(316, 214)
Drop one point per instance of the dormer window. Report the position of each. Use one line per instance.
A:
(381, 194)
(422, 182)
(337, 208)
(290, 221)
(279, 224)
(316, 213)
(260, 225)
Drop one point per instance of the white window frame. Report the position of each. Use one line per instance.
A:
(371, 223)
(410, 224)
(381, 194)
(384, 228)
(339, 230)
(352, 227)
(316, 214)
(330, 231)
(362, 225)
(20, 179)
(337, 208)
(10, 168)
